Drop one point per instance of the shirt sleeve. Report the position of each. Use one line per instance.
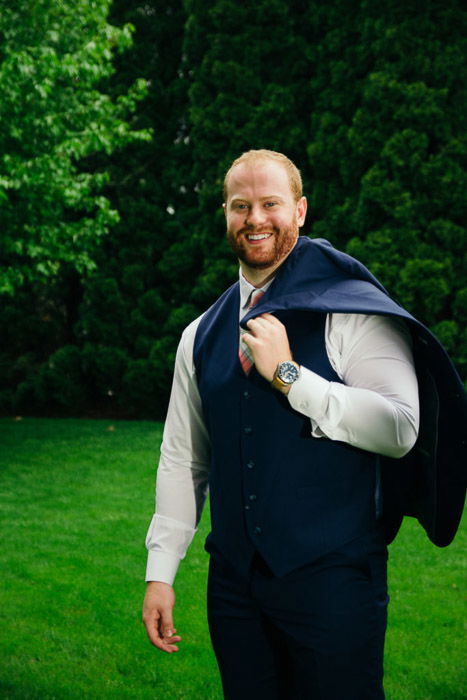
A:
(376, 407)
(182, 475)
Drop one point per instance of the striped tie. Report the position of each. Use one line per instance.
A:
(244, 352)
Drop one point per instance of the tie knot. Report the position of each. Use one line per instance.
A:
(255, 297)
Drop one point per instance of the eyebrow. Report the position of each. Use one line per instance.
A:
(262, 199)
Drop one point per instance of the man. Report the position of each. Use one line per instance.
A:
(287, 420)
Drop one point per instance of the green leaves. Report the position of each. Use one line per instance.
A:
(54, 115)
(388, 151)
(367, 98)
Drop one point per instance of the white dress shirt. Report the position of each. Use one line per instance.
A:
(375, 409)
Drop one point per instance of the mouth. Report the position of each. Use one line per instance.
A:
(255, 237)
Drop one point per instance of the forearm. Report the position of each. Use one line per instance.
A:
(180, 498)
(376, 406)
(360, 417)
(182, 475)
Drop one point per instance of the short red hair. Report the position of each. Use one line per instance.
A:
(262, 155)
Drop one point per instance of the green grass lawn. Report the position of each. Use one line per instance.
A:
(76, 501)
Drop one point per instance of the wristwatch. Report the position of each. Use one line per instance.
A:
(286, 374)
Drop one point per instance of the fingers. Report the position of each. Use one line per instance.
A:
(268, 342)
(167, 630)
(157, 617)
(264, 327)
(264, 321)
(162, 633)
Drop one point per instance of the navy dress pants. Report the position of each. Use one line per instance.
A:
(314, 634)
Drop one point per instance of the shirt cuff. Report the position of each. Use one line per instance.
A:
(162, 566)
(309, 394)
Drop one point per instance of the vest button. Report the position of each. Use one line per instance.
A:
(252, 497)
(248, 430)
(246, 394)
(247, 507)
(258, 530)
(250, 464)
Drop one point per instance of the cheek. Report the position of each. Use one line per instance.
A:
(282, 222)
(234, 221)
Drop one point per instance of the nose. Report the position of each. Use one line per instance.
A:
(255, 216)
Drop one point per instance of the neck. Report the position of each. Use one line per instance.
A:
(259, 276)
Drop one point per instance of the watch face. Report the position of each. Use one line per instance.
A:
(288, 372)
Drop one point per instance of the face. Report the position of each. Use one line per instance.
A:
(262, 215)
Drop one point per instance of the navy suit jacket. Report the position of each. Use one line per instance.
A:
(430, 482)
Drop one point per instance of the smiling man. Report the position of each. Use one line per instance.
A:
(263, 214)
(287, 393)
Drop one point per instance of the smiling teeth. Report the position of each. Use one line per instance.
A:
(258, 236)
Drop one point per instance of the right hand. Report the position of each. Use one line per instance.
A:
(157, 616)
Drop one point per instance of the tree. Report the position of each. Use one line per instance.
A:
(388, 152)
(54, 117)
(367, 98)
(248, 88)
(148, 186)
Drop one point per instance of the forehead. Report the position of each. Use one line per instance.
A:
(260, 179)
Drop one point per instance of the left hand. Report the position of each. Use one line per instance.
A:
(158, 616)
(269, 344)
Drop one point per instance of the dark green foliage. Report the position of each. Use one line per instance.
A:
(367, 98)
(249, 89)
(57, 387)
(395, 194)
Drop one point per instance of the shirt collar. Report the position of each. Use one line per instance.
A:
(246, 290)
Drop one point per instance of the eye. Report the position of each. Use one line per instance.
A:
(270, 204)
(240, 205)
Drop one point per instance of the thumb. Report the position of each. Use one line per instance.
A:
(166, 622)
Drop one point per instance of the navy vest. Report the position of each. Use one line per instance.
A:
(276, 489)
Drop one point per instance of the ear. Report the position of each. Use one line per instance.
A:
(224, 207)
(302, 206)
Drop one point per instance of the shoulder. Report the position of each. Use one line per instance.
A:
(354, 322)
(351, 326)
(190, 330)
(347, 332)
(186, 344)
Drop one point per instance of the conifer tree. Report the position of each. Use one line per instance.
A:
(367, 98)
(249, 89)
(388, 153)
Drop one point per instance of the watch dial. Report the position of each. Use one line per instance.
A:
(288, 372)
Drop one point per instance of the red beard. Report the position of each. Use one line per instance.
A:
(284, 240)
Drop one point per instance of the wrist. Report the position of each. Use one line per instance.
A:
(283, 389)
(287, 372)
